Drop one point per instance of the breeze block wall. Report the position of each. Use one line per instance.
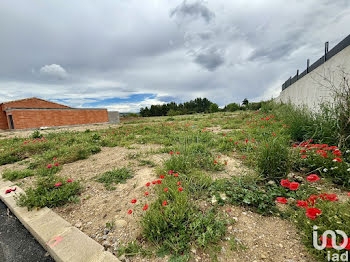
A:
(35, 118)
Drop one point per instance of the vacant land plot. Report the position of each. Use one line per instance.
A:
(208, 187)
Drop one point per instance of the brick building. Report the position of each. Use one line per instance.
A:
(35, 113)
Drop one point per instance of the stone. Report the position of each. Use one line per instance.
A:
(78, 225)
(120, 223)
(106, 244)
(104, 237)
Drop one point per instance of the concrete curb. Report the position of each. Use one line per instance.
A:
(64, 242)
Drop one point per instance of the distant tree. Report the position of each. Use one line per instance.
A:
(231, 107)
(245, 102)
(199, 105)
(213, 108)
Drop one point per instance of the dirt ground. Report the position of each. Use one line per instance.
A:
(25, 133)
(258, 238)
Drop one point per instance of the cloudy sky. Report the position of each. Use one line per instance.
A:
(127, 54)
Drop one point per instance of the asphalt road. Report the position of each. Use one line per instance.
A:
(16, 243)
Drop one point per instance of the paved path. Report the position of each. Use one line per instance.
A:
(16, 243)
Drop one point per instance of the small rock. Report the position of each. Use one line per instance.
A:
(89, 223)
(291, 175)
(263, 256)
(223, 250)
(229, 228)
(235, 218)
(104, 237)
(214, 200)
(106, 244)
(223, 196)
(120, 223)
(280, 245)
(271, 182)
(106, 231)
(122, 258)
(193, 250)
(78, 225)
(244, 213)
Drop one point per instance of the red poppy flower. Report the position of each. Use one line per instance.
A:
(324, 155)
(171, 152)
(58, 184)
(178, 153)
(313, 178)
(54, 158)
(230, 139)
(56, 164)
(176, 174)
(337, 152)
(164, 203)
(285, 182)
(273, 134)
(133, 201)
(246, 141)
(236, 143)
(349, 194)
(162, 177)
(225, 163)
(180, 189)
(166, 189)
(312, 199)
(328, 240)
(154, 182)
(303, 156)
(148, 184)
(301, 203)
(281, 200)
(69, 180)
(49, 166)
(146, 193)
(170, 172)
(337, 159)
(312, 213)
(215, 162)
(159, 181)
(332, 197)
(179, 183)
(302, 151)
(244, 157)
(130, 211)
(145, 207)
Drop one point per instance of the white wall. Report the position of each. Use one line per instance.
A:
(313, 89)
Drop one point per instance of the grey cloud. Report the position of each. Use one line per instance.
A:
(119, 48)
(210, 59)
(197, 9)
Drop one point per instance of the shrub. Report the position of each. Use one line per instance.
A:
(36, 134)
(50, 192)
(231, 107)
(115, 176)
(16, 174)
(273, 159)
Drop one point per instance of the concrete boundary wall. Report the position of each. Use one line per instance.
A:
(315, 87)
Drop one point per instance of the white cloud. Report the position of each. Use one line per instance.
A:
(54, 70)
(133, 107)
